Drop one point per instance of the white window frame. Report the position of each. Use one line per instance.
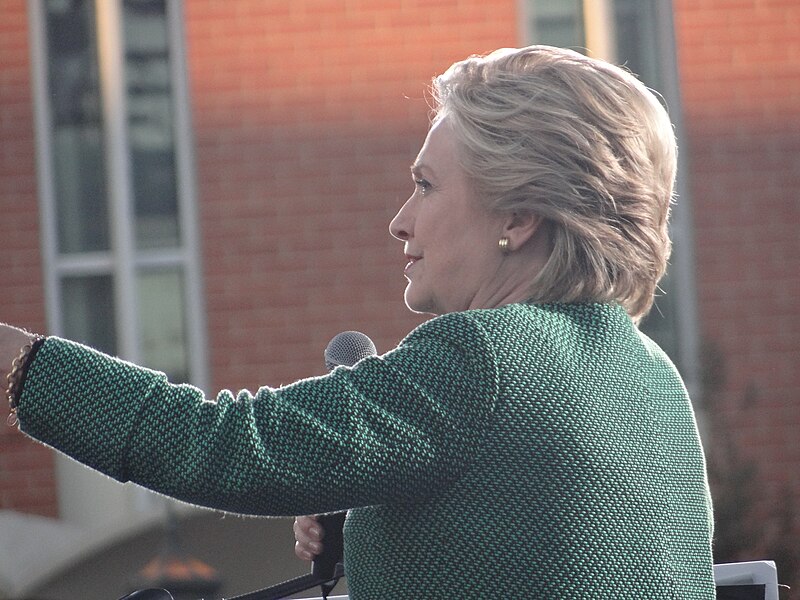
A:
(86, 498)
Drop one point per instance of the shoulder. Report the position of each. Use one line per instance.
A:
(534, 329)
(459, 343)
(657, 361)
(482, 335)
(478, 330)
(482, 322)
(584, 320)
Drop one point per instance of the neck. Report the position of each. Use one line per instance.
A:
(515, 271)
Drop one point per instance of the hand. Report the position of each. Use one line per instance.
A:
(308, 534)
(12, 339)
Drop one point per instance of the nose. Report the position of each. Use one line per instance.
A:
(401, 226)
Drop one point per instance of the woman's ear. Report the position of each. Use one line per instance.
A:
(520, 227)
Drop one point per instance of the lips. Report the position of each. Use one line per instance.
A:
(411, 261)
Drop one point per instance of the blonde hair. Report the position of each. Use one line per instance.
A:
(580, 142)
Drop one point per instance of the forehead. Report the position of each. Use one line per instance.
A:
(438, 153)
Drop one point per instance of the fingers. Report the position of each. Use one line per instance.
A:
(308, 534)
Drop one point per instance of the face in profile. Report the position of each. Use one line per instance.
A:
(450, 241)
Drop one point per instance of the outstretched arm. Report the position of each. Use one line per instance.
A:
(379, 432)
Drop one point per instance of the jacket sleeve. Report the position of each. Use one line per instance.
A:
(390, 429)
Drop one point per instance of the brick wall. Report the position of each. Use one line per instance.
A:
(26, 470)
(740, 67)
(307, 115)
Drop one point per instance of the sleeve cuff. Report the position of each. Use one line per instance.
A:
(84, 403)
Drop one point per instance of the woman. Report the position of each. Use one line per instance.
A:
(529, 441)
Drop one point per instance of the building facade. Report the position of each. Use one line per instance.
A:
(205, 187)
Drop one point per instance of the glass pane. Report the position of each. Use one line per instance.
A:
(76, 116)
(88, 304)
(151, 132)
(162, 322)
(559, 23)
(635, 24)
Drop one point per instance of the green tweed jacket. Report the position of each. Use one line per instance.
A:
(530, 451)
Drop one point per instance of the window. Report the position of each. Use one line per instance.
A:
(116, 182)
(558, 23)
(122, 258)
(638, 34)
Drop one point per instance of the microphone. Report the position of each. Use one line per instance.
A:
(345, 349)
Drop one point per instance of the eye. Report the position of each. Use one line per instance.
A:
(422, 185)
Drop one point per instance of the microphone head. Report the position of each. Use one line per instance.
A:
(347, 348)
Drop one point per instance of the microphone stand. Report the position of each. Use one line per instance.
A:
(326, 569)
(294, 586)
(274, 592)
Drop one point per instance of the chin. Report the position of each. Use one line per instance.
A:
(419, 305)
(423, 311)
